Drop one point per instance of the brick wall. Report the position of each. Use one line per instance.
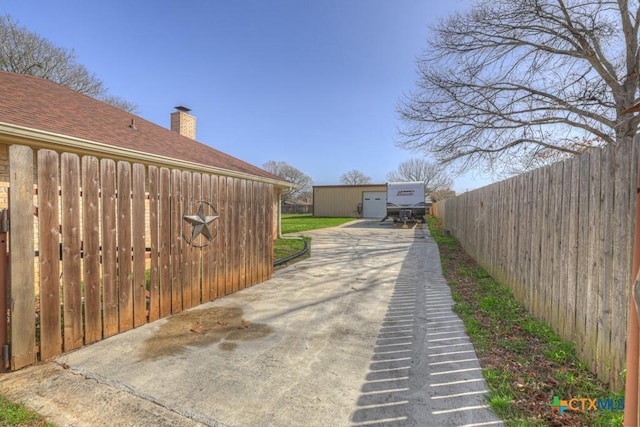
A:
(183, 123)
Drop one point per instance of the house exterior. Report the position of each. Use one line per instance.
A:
(42, 114)
(358, 201)
(131, 221)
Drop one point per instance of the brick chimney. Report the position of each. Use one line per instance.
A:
(183, 122)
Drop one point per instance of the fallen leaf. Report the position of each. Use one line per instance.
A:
(197, 327)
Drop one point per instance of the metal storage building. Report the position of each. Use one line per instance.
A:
(360, 201)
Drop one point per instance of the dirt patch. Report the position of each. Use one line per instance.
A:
(201, 328)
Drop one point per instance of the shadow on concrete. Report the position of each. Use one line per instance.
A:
(366, 223)
(424, 370)
(376, 223)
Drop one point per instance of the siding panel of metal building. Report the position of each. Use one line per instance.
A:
(341, 200)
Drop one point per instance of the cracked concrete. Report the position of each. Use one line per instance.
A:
(361, 333)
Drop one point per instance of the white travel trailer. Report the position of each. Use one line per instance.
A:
(406, 201)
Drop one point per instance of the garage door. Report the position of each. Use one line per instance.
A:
(374, 204)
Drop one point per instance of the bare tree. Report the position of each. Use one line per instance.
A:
(354, 177)
(434, 176)
(439, 195)
(118, 102)
(25, 52)
(295, 176)
(523, 80)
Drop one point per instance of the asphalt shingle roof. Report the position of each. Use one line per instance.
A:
(43, 105)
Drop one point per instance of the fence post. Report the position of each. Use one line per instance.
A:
(4, 289)
(633, 330)
(21, 244)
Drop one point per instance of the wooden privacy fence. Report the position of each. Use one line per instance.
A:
(113, 250)
(561, 239)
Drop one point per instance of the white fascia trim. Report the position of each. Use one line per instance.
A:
(53, 141)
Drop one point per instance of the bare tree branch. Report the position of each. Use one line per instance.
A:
(287, 172)
(24, 52)
(516, 78)
(354, 177)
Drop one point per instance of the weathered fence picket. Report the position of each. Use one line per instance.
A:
(176, 241)
(154, 277)
(205, 254)
(222, 237)
(593, 254)
(214, 249)
(165, 242)
(185, 279)
(138, 244)
(109, 247)
(235, 235)
(71, 251)
(622, 217)
(21, 272)
(49, 253)
(91, 248)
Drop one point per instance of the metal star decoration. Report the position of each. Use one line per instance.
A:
(200, 223)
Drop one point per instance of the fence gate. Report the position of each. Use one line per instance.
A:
(98, 247)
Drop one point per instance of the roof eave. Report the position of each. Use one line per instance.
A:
(48, 140)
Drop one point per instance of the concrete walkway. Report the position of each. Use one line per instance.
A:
(360, 334)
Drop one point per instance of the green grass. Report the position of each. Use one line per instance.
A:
(286, 247)
(283, 248)
(14, 414)
(524, 362)
(295, 223)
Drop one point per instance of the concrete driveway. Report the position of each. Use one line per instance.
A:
(361, 333)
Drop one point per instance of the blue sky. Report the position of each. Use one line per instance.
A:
(314, 83)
